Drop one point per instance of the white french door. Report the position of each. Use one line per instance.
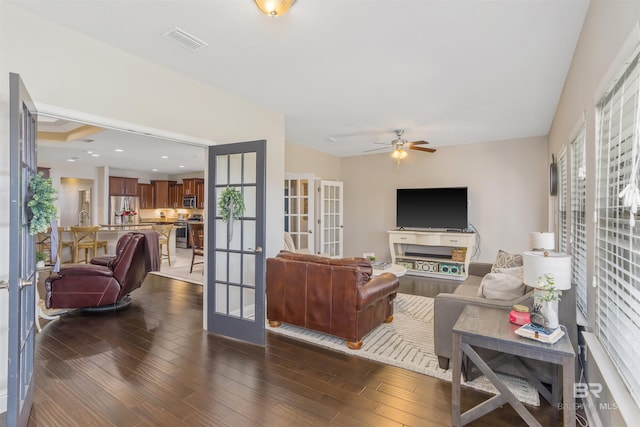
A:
(299, 209)
(330, 218)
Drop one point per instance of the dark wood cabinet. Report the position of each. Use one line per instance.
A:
(189, 186)
(161, 194)
(176, 191)
(120, 186)
(200, 193)
(145, 192)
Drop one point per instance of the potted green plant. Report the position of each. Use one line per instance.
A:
(41, 203)
(230, 207)
(41, 258)
(546, 298)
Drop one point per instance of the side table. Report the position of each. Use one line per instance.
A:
(490, 328)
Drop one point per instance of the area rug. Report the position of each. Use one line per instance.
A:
(407, 343)
(180, 266)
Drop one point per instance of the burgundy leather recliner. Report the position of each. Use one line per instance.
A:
(92, 285)
(335, 296)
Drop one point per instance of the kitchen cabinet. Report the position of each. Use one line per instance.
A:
(194, 187)
(161, 194)
(200, 193)
(146, 196)
(121, 186)
(176, 191)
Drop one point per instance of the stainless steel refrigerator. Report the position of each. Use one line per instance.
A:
(118, 205)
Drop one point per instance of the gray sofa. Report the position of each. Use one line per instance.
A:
(447, 309)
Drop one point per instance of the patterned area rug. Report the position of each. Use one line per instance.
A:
(407, 343)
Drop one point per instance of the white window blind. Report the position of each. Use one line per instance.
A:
(617, 258)
(562, 202)
(578, 220)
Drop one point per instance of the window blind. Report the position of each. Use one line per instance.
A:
(562, 201)
(578, 220)
(617, 257)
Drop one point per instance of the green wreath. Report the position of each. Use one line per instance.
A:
(41, 204)
(231, 195)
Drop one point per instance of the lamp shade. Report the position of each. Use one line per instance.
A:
(541, 241)
(275, 7)
(537, 264)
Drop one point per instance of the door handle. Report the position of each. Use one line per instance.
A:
(257, 250)
(25, 283)
(4, 284)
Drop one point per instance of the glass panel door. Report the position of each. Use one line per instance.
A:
(299, 209)
(330, 214)
(236, 260)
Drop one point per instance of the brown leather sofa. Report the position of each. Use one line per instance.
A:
(335, 296)
(93, 285)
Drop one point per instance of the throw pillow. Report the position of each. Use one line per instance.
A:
(516, 271)
(506, 260)
(501, 286)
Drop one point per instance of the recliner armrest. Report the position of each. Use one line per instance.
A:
(376, 288)
(85, 270)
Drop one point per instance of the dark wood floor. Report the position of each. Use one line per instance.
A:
(153, 365)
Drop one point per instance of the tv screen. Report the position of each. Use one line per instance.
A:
(432, 208)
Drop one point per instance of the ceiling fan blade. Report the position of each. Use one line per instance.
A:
(377, 149)
(415, 145)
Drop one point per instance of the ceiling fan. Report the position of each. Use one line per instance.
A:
(400, 144)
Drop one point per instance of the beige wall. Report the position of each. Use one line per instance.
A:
(507, 183)
(64, 69)
(301, 159)
(609, 35)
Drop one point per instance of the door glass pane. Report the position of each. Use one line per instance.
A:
(304, 183)
(235, 169)
(234, 301)
(304, 242)
(294, 205)
(249, 303)
(221, 266)
(294, 187)
(221, 169)
(249, 235)
(221, 298)
(235, 243)
(234, 268)
(249, 270)
(250, 168)
(250, 201)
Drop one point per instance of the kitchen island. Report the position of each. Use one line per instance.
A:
(111, 233)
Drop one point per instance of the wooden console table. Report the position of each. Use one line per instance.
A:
(490, 328)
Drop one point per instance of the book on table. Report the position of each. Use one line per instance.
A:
(379, 265)
(540, 333)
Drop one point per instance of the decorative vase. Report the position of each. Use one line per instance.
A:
(129, 219)
(550, 312)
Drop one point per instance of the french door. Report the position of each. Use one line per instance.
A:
(22, 251)
(236, 257)
(330, 218)
(299, 209)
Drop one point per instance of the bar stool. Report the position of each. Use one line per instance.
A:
(164, 230)
(87, 238)
(43, 242)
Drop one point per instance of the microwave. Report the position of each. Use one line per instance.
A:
(189, 202)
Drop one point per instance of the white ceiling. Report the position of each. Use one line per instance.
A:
(346, 73)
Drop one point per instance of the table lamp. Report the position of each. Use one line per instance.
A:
(550, 274)
(542, 241)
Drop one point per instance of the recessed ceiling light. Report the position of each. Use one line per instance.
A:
(95, 155)
(89, 152)
(118, 150)
(164, 157)
(73, 159)
(181, 166)
(154, 170)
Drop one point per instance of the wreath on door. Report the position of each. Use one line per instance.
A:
(231, 207)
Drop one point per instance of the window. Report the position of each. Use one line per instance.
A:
(578, 222)
(562, 201)
(617, 254)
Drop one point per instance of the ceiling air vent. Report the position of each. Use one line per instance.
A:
(184, 39)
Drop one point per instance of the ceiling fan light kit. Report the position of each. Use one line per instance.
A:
(274, 8)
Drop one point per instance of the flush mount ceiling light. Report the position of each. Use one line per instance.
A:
(275, 8)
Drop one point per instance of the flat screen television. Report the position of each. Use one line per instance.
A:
(442, 208)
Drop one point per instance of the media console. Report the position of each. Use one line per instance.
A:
(430, 253)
